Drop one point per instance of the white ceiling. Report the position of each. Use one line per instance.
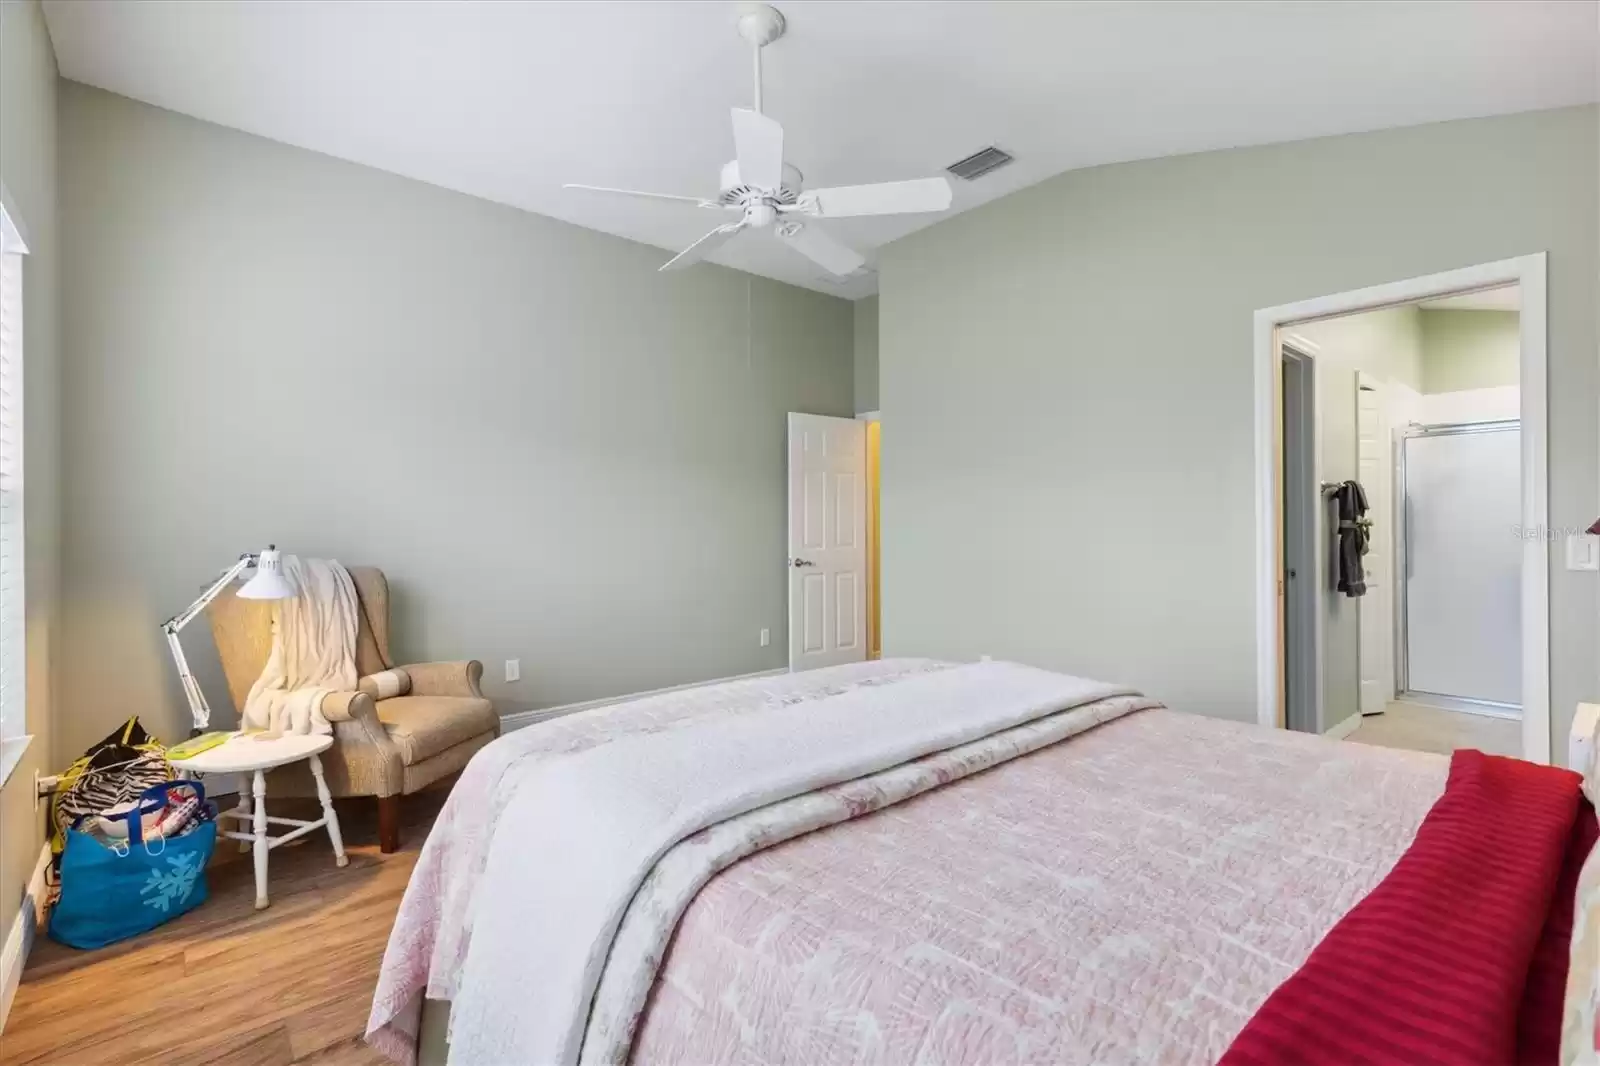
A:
(1505, 298)
(507, 100)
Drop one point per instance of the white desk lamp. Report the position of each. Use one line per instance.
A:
(267, 583)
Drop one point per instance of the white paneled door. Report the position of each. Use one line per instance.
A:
(827, 541)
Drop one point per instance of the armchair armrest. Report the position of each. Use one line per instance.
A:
(446, 679)
(347, 706)
(364, 760)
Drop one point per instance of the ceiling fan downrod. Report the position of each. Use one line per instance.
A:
(760, 24)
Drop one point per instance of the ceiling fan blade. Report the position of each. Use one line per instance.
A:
(704, 246)
(885, 198)
(821, 249)
(758, 145)
(698, 201)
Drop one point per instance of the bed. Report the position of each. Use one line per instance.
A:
(917, 861)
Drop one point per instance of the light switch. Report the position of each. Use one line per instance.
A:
(766, 637)
(513, 669)
(1583, 552)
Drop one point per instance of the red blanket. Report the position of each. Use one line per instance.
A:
(1433, 965)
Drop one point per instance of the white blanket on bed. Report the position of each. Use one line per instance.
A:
(583, 830)
(313, 650)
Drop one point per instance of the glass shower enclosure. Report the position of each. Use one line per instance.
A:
(1459, 635)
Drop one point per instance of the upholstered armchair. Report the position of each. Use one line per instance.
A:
(389, 740)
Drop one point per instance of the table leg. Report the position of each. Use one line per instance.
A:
(260, 842)
(327, 813)
(243, 807)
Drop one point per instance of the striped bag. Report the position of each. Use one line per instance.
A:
(116, 770)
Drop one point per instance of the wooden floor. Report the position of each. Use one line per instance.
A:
(1421, 728)
(226, 983)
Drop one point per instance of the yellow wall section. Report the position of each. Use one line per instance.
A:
(874, 612)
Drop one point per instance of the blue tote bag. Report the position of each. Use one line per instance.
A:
(110, 892)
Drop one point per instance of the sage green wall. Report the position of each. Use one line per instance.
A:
(1069, 478)
(866, 334)
(28, 172)
(1388, 345)
(1470, 349)
(555, 452)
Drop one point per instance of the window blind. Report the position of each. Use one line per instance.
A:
(13, 633)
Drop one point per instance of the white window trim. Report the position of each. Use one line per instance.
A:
(11, 751)
(12, 747)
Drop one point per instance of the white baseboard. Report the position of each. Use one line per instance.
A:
(518, 719)
(1344, 728)
(20, 937)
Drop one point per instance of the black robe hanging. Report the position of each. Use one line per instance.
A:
(1350, 505)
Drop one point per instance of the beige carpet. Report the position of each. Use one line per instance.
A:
(1419, 728)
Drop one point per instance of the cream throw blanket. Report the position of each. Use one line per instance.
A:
(313, 650)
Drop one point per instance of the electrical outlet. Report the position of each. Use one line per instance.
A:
(766, 637)
(513, 669)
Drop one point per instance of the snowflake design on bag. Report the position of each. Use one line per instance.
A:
(172, 885)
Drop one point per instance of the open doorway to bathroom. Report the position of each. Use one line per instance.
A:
(1409, 440)
(1420, 408)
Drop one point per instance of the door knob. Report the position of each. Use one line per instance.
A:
(802, 562)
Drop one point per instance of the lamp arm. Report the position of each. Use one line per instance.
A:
(176, 623)
(199, 709)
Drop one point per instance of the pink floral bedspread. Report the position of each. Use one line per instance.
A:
(1121, 892)
(1130, 894)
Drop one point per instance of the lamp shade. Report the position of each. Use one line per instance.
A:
(268, 582)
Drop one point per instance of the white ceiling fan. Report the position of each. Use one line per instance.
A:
(767, 192)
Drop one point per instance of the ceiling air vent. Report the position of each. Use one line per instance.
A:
(978, 164)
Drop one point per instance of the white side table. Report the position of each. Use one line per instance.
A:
(250, 759)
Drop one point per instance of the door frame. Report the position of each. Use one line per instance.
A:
(1529, 272)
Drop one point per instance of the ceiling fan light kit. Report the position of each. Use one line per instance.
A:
(769, 193)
